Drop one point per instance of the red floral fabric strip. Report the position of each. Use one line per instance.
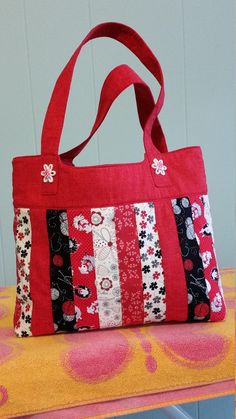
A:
(83, 269)
(129, 266)
(204, 233)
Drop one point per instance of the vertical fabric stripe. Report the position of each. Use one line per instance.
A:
(151, 263)
(42, 320)
(204, 233)
(207, 215)
(60, 271)
(129, 265)
(106, 267)
(83, 268)
(24, 305)
(175, 283)
(198, 301)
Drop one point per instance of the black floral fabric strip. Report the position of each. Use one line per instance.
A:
(60, 271)
(198, 300)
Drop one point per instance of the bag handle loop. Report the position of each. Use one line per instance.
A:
(54, 118)
(119, 79)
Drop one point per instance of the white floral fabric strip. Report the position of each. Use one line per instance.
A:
(106, 267)
(23, 239)
(154, 293)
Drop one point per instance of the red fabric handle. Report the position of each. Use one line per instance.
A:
(120, 78)
(55, 114)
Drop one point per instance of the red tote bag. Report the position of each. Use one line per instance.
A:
(117, 244)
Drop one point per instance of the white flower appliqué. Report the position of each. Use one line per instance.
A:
(159, 167)
(48, 173)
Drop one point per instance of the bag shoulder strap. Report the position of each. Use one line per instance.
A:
(120, 78)
(54, 119)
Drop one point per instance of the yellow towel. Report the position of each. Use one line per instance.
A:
(46, 373)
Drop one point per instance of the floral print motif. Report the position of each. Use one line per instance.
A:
(73, 245)
(24, 305)
(86, 265)
(151, 263)
(93, 308)
(105, 252)
(216, 304)
(48, 173)
(196, 210)
(160, 168)
(198, 300)
(96, 218)
(82, 224)
(206, 258)
(106, 284)
(82, 291)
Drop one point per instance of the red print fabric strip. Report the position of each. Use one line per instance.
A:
(129, 265)
(83, 269)
(204, 233)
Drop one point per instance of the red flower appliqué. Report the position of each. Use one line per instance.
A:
(48, 173)
(159, 167)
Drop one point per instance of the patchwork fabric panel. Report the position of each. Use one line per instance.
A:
(106, 268)
(198, 299)
(23, 238)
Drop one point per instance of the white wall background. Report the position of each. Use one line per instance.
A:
(195, 43)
